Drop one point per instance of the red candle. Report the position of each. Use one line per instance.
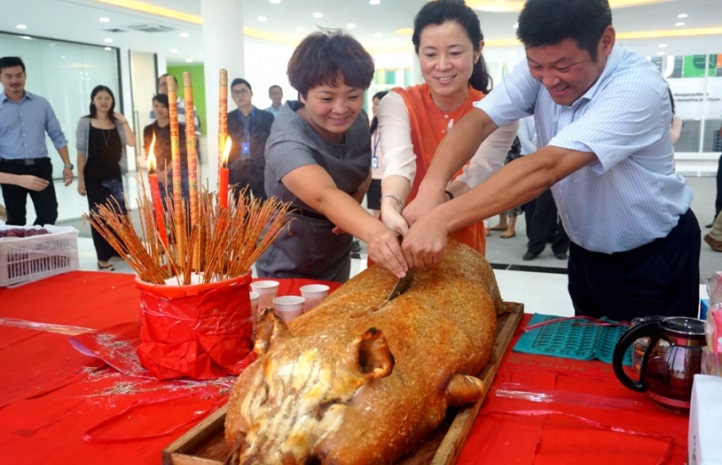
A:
(223, 175)
(155, 196)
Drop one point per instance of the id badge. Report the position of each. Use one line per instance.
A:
(246, 150)
(374, 162)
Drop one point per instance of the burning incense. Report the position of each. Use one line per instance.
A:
(192, 162)
(237, 236)
(155, 195)
(178, 216)
(191, 146)
(222, 116)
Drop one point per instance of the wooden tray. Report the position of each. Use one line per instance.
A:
(205, 443)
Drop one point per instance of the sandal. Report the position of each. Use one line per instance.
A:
(108, 267)
(498, 228)
(508, 235)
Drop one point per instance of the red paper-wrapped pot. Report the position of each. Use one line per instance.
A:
(200, 331)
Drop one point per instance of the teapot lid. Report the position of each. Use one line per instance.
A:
(683, 325)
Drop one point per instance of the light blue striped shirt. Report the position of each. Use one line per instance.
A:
(632, 195)
(23, 126)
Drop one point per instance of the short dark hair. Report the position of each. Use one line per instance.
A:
(237, 81)
(164, 78)
(94, 110)
(9, 62)
(162, 99)
(324, 57)
(549, 22)
(440, 11)
(275, 86)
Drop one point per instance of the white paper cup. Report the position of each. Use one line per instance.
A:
(267, 290)
(314, 294)
(288, 307)
(254, 296)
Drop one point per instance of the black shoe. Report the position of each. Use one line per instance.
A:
(108, 267)
(708, 225)
(355, 249)
(529, 256)
(561, 255)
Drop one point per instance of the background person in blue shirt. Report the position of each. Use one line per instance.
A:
(24, 120)
(603, 126)
(275, 93)
(249, 128)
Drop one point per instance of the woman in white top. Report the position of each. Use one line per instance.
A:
(448, 41)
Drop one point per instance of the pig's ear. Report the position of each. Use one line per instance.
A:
(269, 329)
(371, 355)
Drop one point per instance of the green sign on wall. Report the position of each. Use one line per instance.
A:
(694, 65)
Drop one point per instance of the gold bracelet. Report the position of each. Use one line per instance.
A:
(397, 198)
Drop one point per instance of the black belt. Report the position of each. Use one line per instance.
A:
(309, 214)
(25, 161)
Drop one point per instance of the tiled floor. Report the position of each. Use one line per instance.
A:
(540, 292)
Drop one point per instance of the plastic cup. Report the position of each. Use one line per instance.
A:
(253, 296)
(267, 291)
(314, 294)
(288, 307)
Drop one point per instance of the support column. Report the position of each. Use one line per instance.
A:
(223, 47)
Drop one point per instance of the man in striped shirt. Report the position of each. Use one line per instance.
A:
(163, 89)
(603, 117)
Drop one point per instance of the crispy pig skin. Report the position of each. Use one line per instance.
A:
(360, 380)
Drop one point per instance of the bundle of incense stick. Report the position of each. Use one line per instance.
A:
(228, 240)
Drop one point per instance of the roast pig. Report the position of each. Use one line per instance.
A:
(360, 380)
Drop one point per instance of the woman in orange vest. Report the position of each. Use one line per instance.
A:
(448, 42)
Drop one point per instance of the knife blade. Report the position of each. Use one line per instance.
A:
(401, 286)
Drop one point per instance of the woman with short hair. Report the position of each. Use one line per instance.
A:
(318, 157)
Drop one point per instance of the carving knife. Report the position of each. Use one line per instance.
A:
(402, 285)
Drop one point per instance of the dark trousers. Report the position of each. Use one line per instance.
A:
(718, 199)
(15, 197)
(543, 225)
(659, 278)
(109, 194)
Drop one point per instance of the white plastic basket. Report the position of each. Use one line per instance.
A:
(27, 259)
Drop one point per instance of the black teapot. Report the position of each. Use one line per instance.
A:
(672, 357)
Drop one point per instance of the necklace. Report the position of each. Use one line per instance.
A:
(105, 132)
(106, 136)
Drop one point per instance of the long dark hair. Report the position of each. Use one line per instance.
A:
(375, 120)
(93, 110)
(440, 11)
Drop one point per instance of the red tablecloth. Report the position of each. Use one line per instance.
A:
(555, 411)
(58, 406)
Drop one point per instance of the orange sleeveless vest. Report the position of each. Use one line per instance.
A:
(427, 123)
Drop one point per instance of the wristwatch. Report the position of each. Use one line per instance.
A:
(69, 167)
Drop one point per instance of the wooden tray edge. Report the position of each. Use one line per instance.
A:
(450, 447)
(176, 452)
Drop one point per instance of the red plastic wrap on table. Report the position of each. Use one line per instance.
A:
(548, 410)
(199, 331)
